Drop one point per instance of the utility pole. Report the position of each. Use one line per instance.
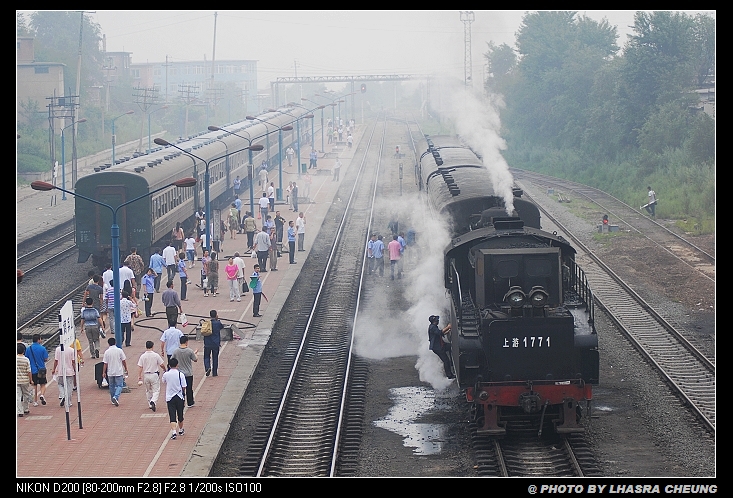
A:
(213, 55)
(467, 17)
(189, 94)
(145, 98)
(78, 83)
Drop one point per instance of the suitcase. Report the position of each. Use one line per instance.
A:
(98, 370)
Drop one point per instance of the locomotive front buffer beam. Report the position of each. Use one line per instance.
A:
(563, 397)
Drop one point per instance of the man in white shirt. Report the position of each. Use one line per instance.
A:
(300, 225)
(115, 368)
(271, 196)
(175, 383)
(126, 273)
(262, 242)
(107, 275)
(290, 153)
(64, 368)
(240, 271)
(149, 363)
(169, 254)
(264, 207)
(170, 340)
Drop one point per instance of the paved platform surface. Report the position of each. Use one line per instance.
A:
(130, 440)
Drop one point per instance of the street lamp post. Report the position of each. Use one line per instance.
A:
(321, 107)
(114, 139)
(182, 183)
(280, 130)
(151, 112)
(165, 143)
(63, 157)
(297, 123)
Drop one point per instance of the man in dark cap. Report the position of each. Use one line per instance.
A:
(440, 346)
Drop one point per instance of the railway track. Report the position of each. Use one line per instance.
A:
(631, 219)
(43, 250)
(301, 429)
(521, 453)
(689, 372)
(46, 320)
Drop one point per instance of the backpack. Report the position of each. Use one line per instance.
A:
(206, 329)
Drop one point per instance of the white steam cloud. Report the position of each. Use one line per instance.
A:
(476, 119)
(381, 330)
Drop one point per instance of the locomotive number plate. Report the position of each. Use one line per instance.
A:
(527, 342)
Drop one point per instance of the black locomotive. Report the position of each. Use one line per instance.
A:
(524, 344)
(149, 222)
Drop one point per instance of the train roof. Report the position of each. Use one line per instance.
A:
(164, 164)
(453, 173)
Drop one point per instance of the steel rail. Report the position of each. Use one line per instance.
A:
(301, 348)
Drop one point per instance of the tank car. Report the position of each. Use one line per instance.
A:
(524, 344)
(148, 223)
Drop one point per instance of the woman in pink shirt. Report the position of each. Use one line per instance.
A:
(231, 271)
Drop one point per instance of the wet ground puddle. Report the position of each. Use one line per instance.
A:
(410, 404)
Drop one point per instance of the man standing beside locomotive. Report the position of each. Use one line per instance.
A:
(438, 345)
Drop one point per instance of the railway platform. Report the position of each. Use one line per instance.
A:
(130, 440)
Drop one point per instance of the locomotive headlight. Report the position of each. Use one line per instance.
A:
(538, 297)
(515, 297)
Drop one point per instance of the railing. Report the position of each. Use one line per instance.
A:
(579, 285)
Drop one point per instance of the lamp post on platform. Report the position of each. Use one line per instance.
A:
(280, 130)
(63, 157)
(114, 138)
(250, 169)
(321, 107)
(297, 124)
(182, 183)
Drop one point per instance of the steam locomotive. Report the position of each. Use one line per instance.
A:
(524, 344)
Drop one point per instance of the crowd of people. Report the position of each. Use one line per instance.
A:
(268, 236)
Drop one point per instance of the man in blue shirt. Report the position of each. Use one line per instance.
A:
(38, 356)
(157, 262)
(256, 291)
(148, 283)
(291, 242)
(211, 345)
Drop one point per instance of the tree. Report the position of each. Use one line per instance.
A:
(665, 128)
(659, 63)
(21, 25)
(704, 47)
(57, 40)
(560, 54)
(501, 61)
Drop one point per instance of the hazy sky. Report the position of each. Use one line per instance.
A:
(321, 43)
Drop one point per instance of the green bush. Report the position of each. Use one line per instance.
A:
(27, 163)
